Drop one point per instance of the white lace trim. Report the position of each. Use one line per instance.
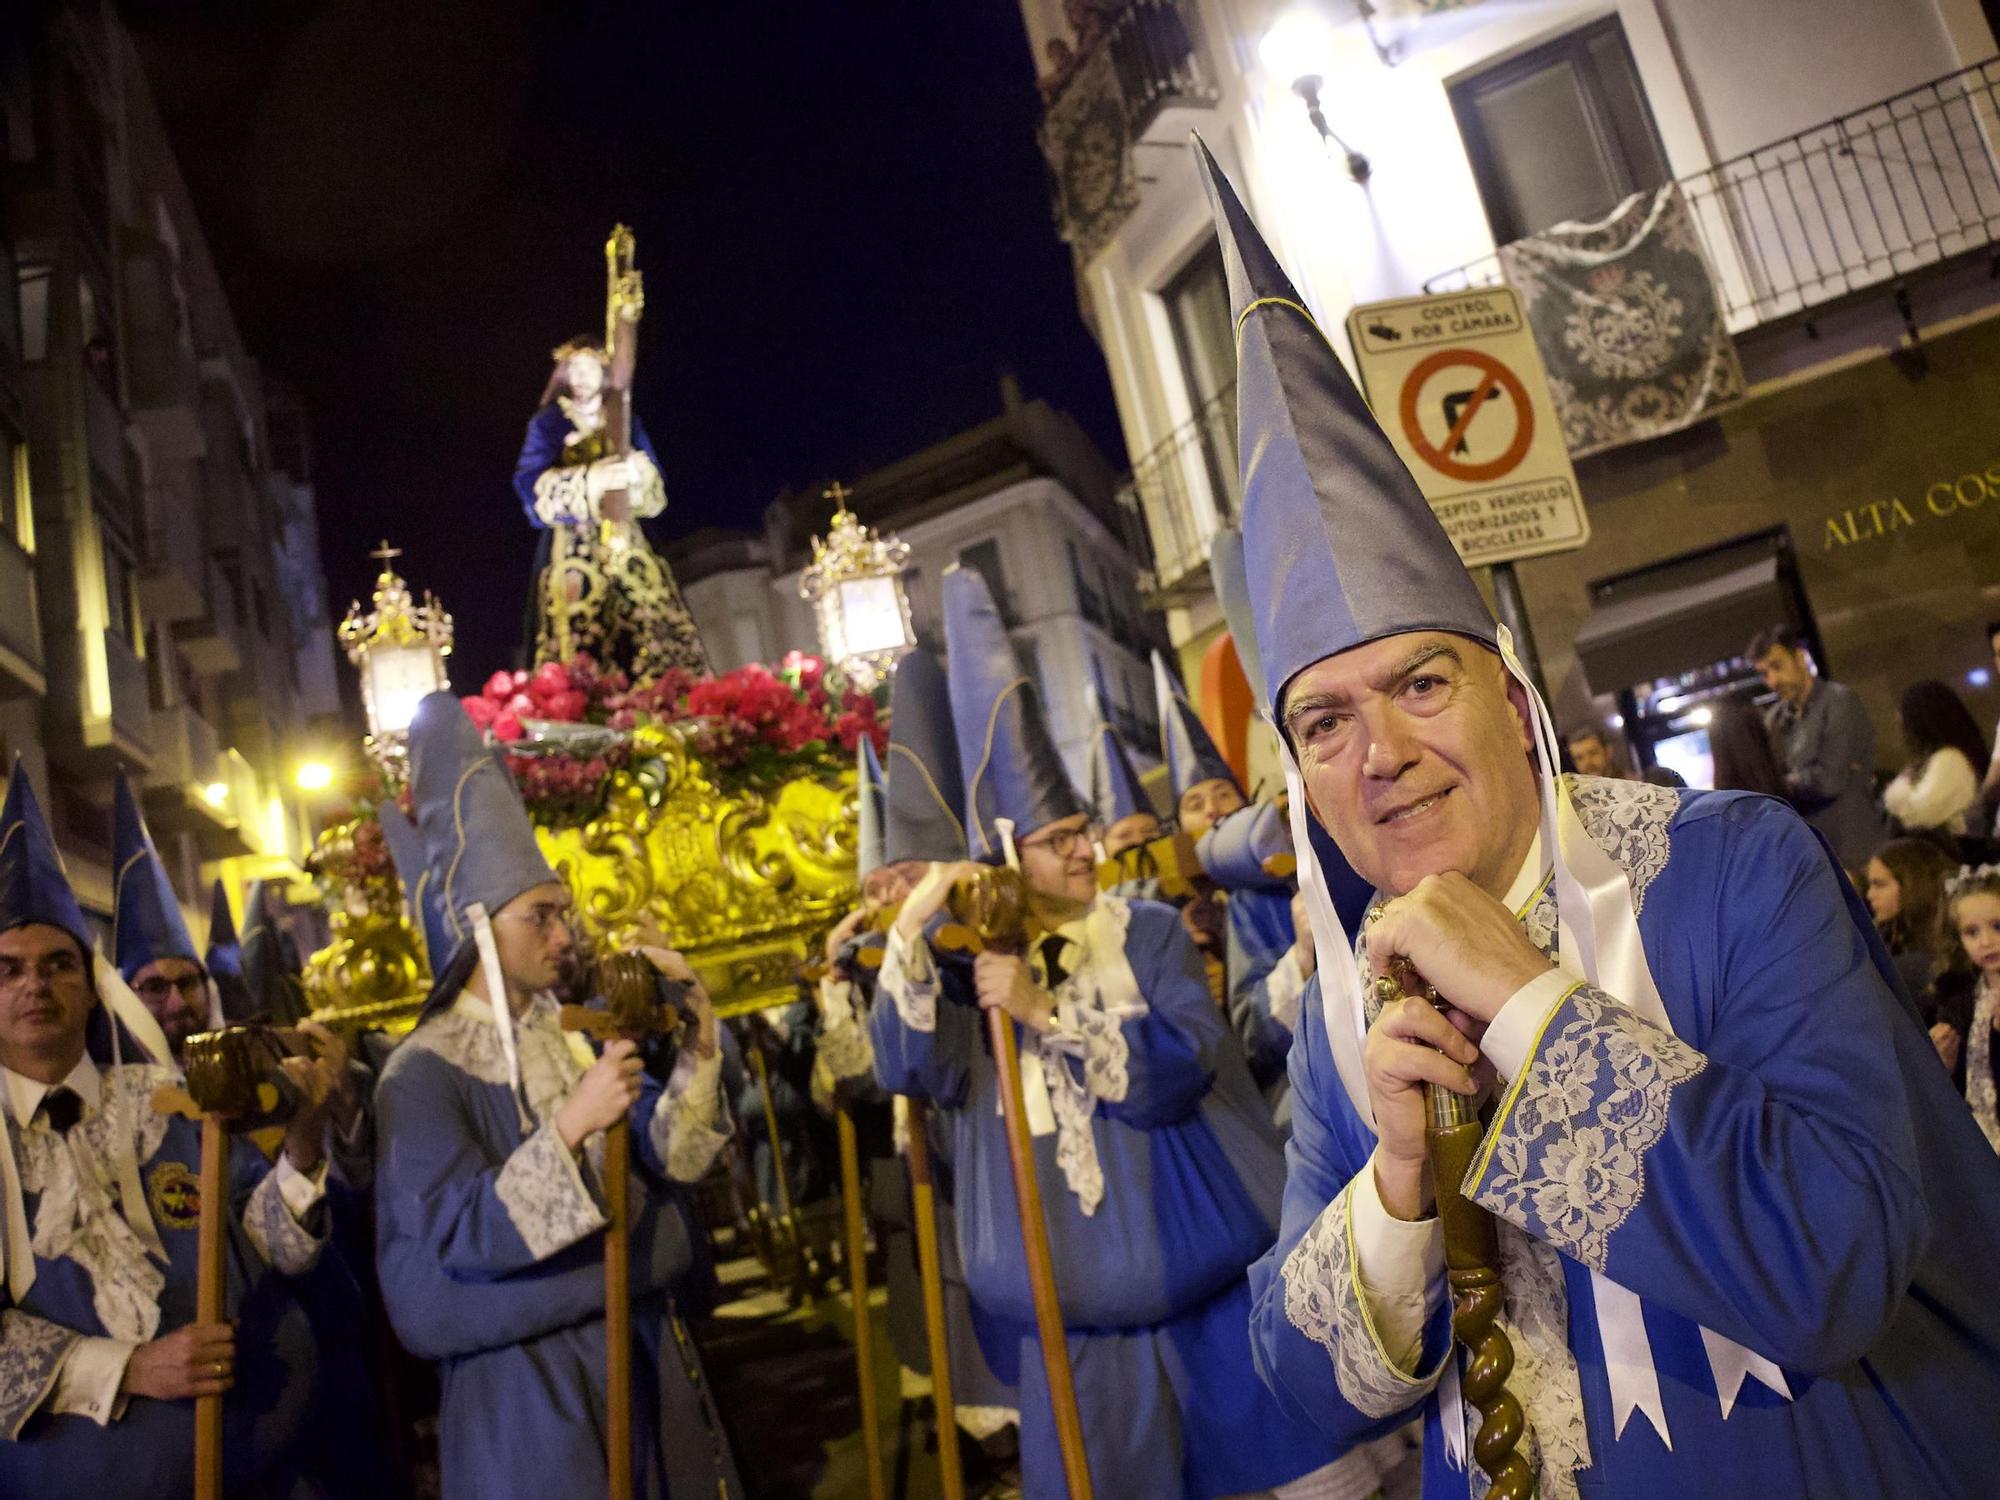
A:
(562, 496)
(79, 1217)
(1629, 822)
(1323, 1301)
(1546, 1380)
(1093, 1003)
(843, 1040)
(688, 1127)
(32, 1351)
(909, 978)
(542, 1190)
(288, 1247)
(1979, 1087)
(1565, 1159)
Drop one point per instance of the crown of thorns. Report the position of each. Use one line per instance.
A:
(1969, 876)
(562, 353)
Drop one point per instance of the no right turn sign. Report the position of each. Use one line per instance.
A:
(1456, 383)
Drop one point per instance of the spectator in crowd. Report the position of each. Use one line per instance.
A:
(1965, 1001)
(1591, 753)
(1825, 745)
(1989, 791)
(1904, 885)
(1741, 747)
(1940, 783)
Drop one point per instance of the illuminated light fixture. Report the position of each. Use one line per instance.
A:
(215, 793)
(399, 648)
(314, 776)
(1299, 47)
(855, 586)
(1701, 718)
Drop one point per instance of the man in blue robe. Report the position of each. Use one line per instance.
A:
(100, 1354)
(1126, 822)
(1160, 1170)
(1746, 1234)
(599, 585)
(489, 1197)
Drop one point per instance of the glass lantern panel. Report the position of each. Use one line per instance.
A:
(872, 614)
(398, 679)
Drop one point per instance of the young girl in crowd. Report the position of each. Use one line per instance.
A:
(1968, 994)
(1904, 884)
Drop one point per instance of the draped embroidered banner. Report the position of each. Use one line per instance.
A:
(1628, 321)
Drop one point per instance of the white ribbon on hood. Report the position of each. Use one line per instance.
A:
(1598, 939)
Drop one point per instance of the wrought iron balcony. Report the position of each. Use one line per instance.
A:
(1858, 201)
(1177, 497)
(1148, 56)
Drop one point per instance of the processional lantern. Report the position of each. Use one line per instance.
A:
(399, 648)
(855, 586)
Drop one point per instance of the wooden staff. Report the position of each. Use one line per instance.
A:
(857, 1285)
(208, 1289)
(788, 1224)
(633, 1010)
(923, 1209)
(991, 907)
(1472, 1265)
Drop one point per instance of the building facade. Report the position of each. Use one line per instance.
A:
(1027, 500)
(159, 576)
(1840, 161)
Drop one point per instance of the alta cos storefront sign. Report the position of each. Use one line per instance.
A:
(1943, 500)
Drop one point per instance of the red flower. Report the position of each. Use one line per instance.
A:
(522, 706)
(482, 712)
(550, 678)
(566, 706)
(500, 686)
(507, 727)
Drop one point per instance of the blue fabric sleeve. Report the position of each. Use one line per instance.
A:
(541, 449)
(1266, 1042)
(1330, 1143)
(1766, 1185)
(1171, 1049)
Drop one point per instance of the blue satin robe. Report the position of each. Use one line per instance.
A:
(1152, 1285)
(1818, 1194)
(519, 1337)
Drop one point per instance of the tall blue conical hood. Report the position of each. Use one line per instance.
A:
(423, 892)
(1012, 770)
(477, 835)
(225, 952)
(1340, 546)
(924, 793)
(1115, 791)
(273, 990)
(33, 887)
(868, 792)
(1185, 745)
(1231, 578)
(146, 922)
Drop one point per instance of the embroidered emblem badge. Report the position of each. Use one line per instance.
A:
(174, 1193)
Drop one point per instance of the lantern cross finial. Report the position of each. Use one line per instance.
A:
(385, 552)
(838, 493)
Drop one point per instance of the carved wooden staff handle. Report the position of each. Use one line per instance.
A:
(1472, 1268)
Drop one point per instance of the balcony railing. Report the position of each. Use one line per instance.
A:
(1178, 496)
(1148, 56)
(1853, 203)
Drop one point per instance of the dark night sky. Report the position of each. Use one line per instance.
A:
(841, 211)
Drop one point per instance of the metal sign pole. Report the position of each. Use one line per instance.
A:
(1513, 609)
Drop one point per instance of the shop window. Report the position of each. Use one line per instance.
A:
(1560, 133)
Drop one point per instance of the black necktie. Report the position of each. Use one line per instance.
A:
(62, 1107)
(1053, 947)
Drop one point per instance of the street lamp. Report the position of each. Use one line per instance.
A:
(313, 776)
(855, 585)
(399, 648)
(1299, 46)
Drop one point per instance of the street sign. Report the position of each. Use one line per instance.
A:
(1456, 383)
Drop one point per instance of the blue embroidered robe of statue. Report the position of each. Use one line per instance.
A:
(146, 1452)
(1151, 1282)
(491, 1261)
(1790, 1169)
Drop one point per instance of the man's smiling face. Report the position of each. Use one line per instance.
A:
(1415, 753)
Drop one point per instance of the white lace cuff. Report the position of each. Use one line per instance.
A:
(1564, 1161)
(649, 496)
(687, 1129)
(32, 1351)
(1282, 988)
(1518, 1024)
(273, 1224)
(562, 496)
(87, 1385)
(1400, 1266)
(1324, 1301)
(909, 978)
(1097, 1038)
(542, 1189)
